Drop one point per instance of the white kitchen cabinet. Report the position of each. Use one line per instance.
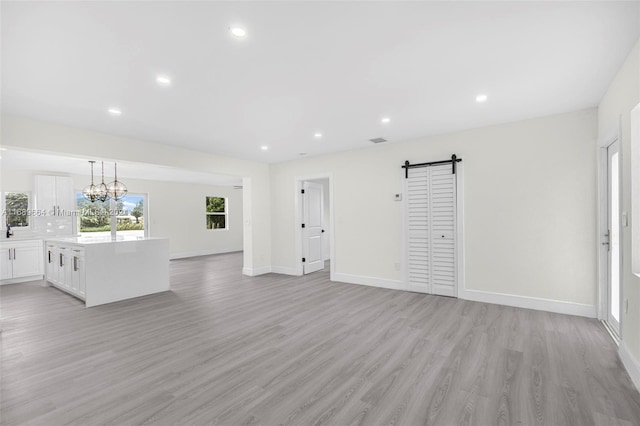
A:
(27, 259)
(102, 270)
(6, 264)
(51, 259)
(76, 269)
(65, 268)
(54, 194)
(21, 261)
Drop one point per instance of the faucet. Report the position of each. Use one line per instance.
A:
(9, 233)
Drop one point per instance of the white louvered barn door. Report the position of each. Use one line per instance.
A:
(418, 230)
(431, 230)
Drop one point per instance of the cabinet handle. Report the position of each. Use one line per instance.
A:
(14, 254)
(9, 254)
(61, 262)
(75, 263)
(49, 256)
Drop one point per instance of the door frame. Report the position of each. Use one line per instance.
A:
(298, 220)
(604, 142)
(459, 238)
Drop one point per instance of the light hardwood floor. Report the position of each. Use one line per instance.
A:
(226, 349)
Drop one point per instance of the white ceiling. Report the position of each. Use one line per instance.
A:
(333, 67)
(43, 162)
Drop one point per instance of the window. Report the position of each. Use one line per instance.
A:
(216, 213)
(95, 218)
(16, 209)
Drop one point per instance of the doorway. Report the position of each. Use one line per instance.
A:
(314, 224)
(312, 227)
(611, 239)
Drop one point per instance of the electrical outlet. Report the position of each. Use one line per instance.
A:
(397, 266)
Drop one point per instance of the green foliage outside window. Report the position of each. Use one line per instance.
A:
(17, 206)
(216, 212)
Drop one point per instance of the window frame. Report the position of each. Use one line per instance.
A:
(113, 207)
(225, 213)
(30, 214)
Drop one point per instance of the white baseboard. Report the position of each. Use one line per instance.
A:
(284, 270)
(185, 254)
(370, 281)
(252, 272)
(630, 363)
(22, 280)
(535, 303)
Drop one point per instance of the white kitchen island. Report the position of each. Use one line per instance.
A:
(102, 270)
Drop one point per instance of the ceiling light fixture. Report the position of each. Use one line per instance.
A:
(238, 32)
(385, 120)
(116, 189)
(317, 135)
(90, 192)
(103, 194)
(481, 98)
(163, 80)
(115, 112)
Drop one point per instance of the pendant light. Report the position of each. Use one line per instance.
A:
(116, 189)
(103, 193)
(91, 192)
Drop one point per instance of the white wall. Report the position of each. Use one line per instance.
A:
(176, 211)
(24, 133)
(623, 94)
(529, 200)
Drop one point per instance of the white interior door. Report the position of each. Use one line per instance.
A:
(612, 237)
(430, 205)
(312, 231)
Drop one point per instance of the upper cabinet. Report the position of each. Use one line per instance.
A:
(54, 194)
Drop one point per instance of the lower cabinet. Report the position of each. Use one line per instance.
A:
(65, 269)
(21, 260)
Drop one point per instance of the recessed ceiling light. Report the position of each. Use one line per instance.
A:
(481, 98)
(115, 111)
(238, 32)
(163, 80)
(317, 135)
(264, 147)
(385, 120)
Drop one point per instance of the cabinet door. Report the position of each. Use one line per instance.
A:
(45, 193)
(77, 276)
(65, 262)
(64, 194)
(6, 264)
(50, 258)
(59, 268)
(27, 260)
